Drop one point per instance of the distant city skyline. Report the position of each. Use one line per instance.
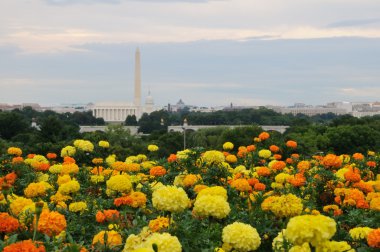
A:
(207, 52)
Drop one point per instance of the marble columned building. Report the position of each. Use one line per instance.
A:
(118, 112)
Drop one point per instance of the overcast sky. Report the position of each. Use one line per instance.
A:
(249, 52)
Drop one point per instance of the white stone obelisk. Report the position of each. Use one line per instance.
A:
(137, 100)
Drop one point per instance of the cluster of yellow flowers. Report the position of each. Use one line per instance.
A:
(170, 198)
(71, 186)
(84, 145)
(80, 206)
(37, 189)
(104, 144)
(240, 237)
(68, 151)
(213, 157)
(119, 183)
(113, 238)
(165, 242)
(283, 206)
(152, 148)
(228, 146)
(211, 205)
(14, 151)
(265, 153)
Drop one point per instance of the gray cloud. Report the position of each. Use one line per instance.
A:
(355, 22)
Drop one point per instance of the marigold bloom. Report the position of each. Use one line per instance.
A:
(80, 206)
(303, 165)
(241, 185)
(84, 145)
(352, 175)
(314, 229)
(107, 215)
(51, 155)
(274, 148)
(332, 161)
(158, 224)
(277, 165)
(14, 151)
(119, 183)
(213, 157)
(104, 144)
(190, 180)
(291, 144)
(251, 148)
(18, 204)
(241, 237)
(228, 146)
(231, 159)
(277, 156)
(172, 158)
(359, 233)
(152, 148)
(24, 246)
(264, 135)
(68, 151)
(371, 164)
(211, 205)
(8, 224)
(170, 198)
(259, 187)
(263, 171)
(265, 153)
(51, 223)
(373, 238)
(298, 180)
(358, 156)
(113, 238)
(17, 160)
(285, 205)
(157, 171)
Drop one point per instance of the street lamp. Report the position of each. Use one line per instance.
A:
(184, 133)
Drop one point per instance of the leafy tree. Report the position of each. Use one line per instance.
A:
(131, 120)
(11, 124)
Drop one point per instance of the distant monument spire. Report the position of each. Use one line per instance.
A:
(137, 100)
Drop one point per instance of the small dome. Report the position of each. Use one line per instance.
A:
(149, 99)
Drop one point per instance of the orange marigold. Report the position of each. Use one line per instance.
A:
(172, 158)
(51, 155)
(277, 156)
(264, 135)
(241, 185)
(17, 160)
(119, 166)
(373, 238)
(157, 171)
(332, 161)
(107, 215)
(371, 164)
(259, 187)
(303, 165)
(291, 144)
(69, 160)
(358, 156)
(298, 180)
(51, 223)
(263, 171)
(190, 179)
(278, 165)
(274, 148)
(158, 224)
(251, 148)
(8, 224)
(24, 246)
(352, 175)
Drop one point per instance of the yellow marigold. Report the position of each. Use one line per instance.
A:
(146, 165)
(72, 186)
(158, 224)
(375, 204)
(69, 168)
(282, 178)
(359, 233)
(199, 188)
(119, 166)
(170, 198)
(213, 190)
(314, 229)
(301, 248)
(14, 151)
(113, 238)
(152, 147)
(303, 165)
(97, 161)
(55, 169)
(264, 153)
(241, 236)
(84, 145)
(241, 185)
(231, 159)
(111, 159)
(213, 157)
(328, 208)
(37, 189)
(51, 223)
(138, 199)
(165, 242)
(239, 169)
(80, 206)
(211, 205)
(286, 205)
(228, 146)
(119, 183)
(59, 197)
(18, 204)
(181, 155)
(104, 144)
(97, 179)
(68, 151)
(63, 179)
(190, 180)
(334, 246)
